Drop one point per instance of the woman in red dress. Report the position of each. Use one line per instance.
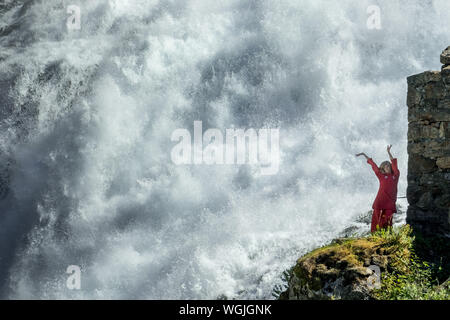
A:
(384, 204)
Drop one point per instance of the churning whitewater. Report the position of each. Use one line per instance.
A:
(87, 114)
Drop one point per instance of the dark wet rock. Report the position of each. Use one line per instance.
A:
(428, 191)
(445, 56)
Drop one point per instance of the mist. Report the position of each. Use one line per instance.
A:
(87, 115)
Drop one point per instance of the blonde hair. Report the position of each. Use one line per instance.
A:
(385, 163)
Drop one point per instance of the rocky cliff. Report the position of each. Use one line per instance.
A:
(428, 190)
(342, 270)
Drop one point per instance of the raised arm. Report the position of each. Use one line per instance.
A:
(389, 151)
(393, 161)
(370, 161)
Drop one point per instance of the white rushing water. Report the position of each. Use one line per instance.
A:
(87, 116)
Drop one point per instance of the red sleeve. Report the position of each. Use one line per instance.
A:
(374, 166)
(395, 167)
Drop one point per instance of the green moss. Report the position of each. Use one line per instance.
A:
(410, 276)
(340, 255)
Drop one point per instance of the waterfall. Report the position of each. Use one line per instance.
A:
(89, 101)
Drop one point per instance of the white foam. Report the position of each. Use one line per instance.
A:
(95, 166)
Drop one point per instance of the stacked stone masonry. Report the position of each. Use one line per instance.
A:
(428, 190)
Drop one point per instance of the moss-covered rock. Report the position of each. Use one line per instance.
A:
(358, 268)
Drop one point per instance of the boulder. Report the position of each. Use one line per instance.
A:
(347, 269)
(443, 162)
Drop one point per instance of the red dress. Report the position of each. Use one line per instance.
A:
(384, 204)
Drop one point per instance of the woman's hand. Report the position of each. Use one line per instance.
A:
(389, 151)
(362, 154)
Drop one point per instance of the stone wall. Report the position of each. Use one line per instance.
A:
(428, 190)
